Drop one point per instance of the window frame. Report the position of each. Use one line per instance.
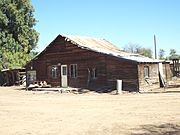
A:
(146, 72)
(94, 73)
(64, 70)
(54, 74)
(73, 71)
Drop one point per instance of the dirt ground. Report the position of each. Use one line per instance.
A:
(52, 113)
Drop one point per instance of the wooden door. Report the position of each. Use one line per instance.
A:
(64, 82)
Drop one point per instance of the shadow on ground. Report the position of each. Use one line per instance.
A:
(21, 88)
(163, 129)
(97, 90)
(174, 86)
(110, 90)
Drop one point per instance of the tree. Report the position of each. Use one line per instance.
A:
(18, 38)
(132, 48)
(161, 54)
(146, 52)
(136, 48)
(173, 54)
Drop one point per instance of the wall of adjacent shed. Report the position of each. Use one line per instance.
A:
(167, 71)
(151, 82)
(12, 77)
(121, 69)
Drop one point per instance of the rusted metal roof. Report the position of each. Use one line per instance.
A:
(96, 44)
(105, 47)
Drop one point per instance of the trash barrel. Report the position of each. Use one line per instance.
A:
(119, 86)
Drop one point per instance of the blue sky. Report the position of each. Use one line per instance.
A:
(119, 21)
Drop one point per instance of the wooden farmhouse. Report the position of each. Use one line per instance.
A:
(85, 62)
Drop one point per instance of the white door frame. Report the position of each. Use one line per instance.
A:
(161, 69)
(64, 81)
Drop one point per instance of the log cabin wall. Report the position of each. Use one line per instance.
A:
(94, 70)
(150, 79)
(66, 53)
(124, 70)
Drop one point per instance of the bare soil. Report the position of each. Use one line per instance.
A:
(52, 113)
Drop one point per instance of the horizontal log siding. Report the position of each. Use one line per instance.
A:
(120, 69)
(108, 68)
(66, 53)
(151, 82)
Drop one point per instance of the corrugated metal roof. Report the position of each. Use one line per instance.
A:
(105, 47)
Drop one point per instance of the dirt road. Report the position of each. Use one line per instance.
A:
(36, 113)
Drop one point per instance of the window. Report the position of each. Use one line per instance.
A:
(54, 71)
(31, 76)
(94, 74)
(73, 70)
(146, 71)
(64, 70)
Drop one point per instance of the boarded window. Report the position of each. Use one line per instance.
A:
(146, 71)
(54, 72)
(73, 70)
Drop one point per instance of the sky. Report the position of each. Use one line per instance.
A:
(121, 22)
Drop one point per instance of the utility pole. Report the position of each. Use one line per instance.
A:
(155, 47)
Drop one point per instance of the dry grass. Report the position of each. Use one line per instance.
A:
(28, 112)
